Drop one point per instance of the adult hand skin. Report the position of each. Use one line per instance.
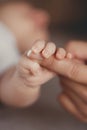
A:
(73, 77)
(74, 81)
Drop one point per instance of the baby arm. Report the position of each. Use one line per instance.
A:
(20, 85)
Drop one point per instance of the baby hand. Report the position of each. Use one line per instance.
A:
(30, 71)
(47, 55)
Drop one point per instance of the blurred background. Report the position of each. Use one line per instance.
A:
(68, 15)
(68, 18)
(64, 11)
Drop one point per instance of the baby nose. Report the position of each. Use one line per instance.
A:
(41, 18)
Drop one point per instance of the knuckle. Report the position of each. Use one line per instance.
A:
(27, 79)
(30, 82)
(35, 67)
(73, 71)
(22, 70)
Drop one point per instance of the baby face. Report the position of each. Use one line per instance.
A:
(27, 23)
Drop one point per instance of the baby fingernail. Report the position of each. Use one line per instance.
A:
(38, 47)
(69, 55)
(61, 53)
(46, 54)
(35, 49)
(29, 53)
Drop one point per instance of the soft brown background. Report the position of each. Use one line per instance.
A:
(64, 11)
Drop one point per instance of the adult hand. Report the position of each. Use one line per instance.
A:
(74, 81)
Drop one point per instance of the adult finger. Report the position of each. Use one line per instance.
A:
(79, 103)
(68, 68)
(67, 103)
(78, 49)
(79, 89)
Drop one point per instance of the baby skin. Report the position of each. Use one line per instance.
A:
(21, 86)
(47, 55)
